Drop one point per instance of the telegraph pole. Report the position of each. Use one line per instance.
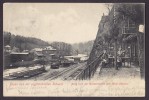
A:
(115, 40)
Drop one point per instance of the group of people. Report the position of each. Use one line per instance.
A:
(105, 58)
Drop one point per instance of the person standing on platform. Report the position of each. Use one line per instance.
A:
(104, 59)
(119, 57)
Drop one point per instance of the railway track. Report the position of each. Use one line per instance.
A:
(56, 74)
(51, 74)
(69, 74)
(64, 74)
(73, 75)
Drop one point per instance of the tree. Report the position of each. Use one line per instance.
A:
(22, 42)
(109, 6)
(63, 49)
(133, 11)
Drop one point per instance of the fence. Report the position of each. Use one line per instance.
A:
(89, 70)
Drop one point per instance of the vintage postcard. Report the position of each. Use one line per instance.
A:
(74, 49)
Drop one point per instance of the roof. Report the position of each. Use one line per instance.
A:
(37, 49)
(49, 48)
(82, 55)
(19, 53)
(7, 46)
(52, 54)
(76, 56)
(39, 54)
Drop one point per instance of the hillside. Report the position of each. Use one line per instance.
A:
(83, 48)
(22, 42)
(28, 43)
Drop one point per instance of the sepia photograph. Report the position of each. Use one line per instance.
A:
(74, 49)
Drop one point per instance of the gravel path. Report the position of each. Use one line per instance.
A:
(132, 72)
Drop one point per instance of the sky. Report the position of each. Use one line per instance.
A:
(64, 22)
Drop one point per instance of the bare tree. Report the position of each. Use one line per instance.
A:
(109, 6)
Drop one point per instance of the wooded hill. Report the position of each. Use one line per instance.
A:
(83, 48)
(28, 43)
(23, 43)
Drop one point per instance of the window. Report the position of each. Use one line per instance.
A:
(129, 27)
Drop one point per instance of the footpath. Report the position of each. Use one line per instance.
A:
(124, 82)
(132, 72)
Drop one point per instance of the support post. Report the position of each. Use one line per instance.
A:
(116, 67)
(89, 72)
